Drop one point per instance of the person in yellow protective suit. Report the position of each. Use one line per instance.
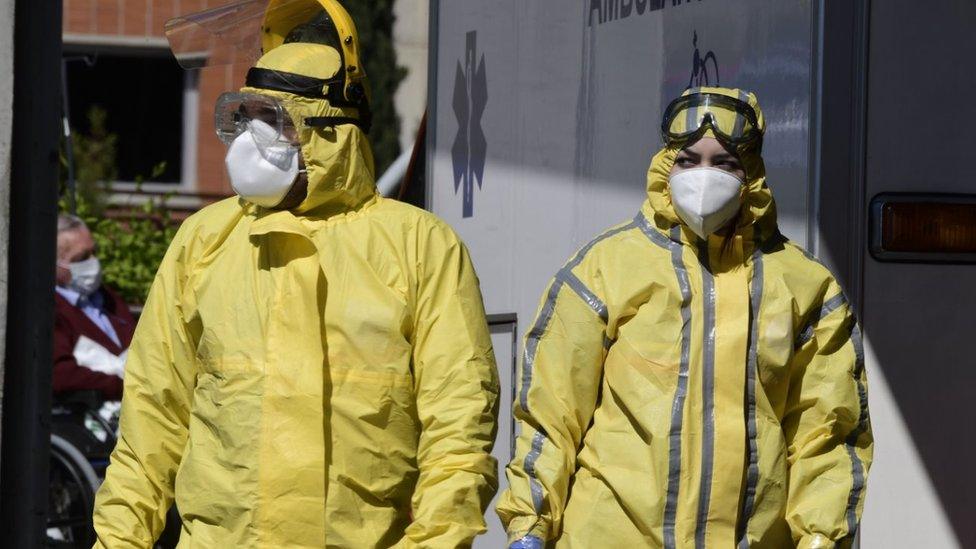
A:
(313, 376)
(693, 379)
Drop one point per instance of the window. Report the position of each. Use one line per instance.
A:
(143, 97)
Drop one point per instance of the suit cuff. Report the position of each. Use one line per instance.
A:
(520, 527)
(815, 541)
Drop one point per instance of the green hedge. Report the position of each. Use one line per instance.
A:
(131, 248)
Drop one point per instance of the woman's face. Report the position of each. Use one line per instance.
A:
(708, 152)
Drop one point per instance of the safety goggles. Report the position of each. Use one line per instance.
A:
(236, 112)
(688, 117)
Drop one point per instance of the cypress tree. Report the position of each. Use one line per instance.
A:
(374, 20)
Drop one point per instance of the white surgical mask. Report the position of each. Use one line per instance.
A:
(261, 174)
(705, 198)
(86, 276)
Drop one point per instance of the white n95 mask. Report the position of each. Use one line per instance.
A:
(86, 276)
(261, 173)
(705, 198)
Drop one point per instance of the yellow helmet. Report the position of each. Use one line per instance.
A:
(325, 22)
(244, 30)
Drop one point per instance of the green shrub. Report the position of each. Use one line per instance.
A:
(131, 243)
(132, 247)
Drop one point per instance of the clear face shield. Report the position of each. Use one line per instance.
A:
(233, 33)
(244, 30)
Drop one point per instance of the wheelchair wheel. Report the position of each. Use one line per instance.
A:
(71, 496)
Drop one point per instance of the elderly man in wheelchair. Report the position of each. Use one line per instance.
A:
(92, 331)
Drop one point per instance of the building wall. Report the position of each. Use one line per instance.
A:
(138, 25)
(121, 17)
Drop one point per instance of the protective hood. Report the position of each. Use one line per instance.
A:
(338, 159)
(758, 208)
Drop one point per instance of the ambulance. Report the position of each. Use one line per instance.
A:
(542, 120)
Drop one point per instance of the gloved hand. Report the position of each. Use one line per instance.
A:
(528, 542)
(93, 356)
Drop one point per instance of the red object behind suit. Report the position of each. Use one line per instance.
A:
(70, 323)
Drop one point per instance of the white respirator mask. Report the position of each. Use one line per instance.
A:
(262, 173)
(86, 276)
(705, 198)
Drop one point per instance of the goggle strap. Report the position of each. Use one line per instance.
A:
(333, 121)
(307, 86)
(297, 84)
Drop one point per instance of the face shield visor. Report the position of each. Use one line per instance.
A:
(241, 31)
(244, 30)
(689, 117)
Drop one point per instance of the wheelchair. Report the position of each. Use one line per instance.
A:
(81, 443)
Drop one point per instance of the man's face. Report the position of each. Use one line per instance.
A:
(73, 246)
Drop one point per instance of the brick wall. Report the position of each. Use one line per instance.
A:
(211, 175)
(109, 20)
(123, 17)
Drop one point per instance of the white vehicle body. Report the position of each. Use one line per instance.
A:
(860, 97)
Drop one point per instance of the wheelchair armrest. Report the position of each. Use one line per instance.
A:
(91, 399)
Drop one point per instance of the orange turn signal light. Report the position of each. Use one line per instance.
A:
(928, 228)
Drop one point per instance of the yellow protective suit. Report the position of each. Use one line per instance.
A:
(321, 377)
(678, 393)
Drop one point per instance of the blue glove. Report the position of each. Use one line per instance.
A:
(528, 542)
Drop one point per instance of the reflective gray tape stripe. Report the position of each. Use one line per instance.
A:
(532, 341)
(857, 467)
(545, 315)
(740, 120)
(708, 397)
(832, 304)
(677, 407)
(529, 467)
(810, 256)
(607, 342)
(581, 255)
(653, 234)
(573, 281)
(532, 344)
(691, 115)
(752, 369)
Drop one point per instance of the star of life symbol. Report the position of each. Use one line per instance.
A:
(470, 145)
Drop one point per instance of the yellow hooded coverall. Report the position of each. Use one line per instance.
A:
(675, 393)
(320, 377)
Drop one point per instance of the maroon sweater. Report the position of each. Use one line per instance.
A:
(70, 323)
